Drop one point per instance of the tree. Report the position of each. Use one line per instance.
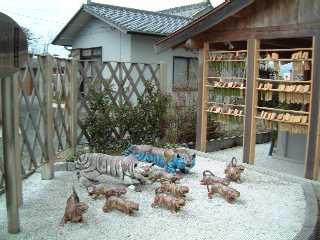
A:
(33, 41)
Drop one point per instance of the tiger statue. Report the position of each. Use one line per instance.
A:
(98, 168)
(172, 160)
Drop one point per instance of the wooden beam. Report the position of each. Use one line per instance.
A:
(312, 157)
(216, 16)
(274, 32)
(202, 99)
(249, 137)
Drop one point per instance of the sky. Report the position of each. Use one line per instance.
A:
(45, 18)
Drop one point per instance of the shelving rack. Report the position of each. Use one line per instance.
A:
(276, 92)
(219, 82)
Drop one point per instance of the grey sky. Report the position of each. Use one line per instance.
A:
(45, 18)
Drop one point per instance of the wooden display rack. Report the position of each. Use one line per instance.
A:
(286, 119)
(226, 111)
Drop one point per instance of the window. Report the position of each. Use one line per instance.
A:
(185, 73)
(91, 53)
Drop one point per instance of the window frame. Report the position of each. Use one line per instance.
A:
(82, 57)
(177, 89)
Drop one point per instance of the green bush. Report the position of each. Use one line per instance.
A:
(111, 129)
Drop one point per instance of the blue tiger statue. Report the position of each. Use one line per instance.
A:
(169, 159)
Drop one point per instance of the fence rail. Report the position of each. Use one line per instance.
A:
(53, 106)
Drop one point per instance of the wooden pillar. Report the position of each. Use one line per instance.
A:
(311, 166)
(202, 115)
(249, 136)
(47, 170)
(74, 89)
(9, 154)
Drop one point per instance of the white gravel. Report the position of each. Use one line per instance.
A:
(268, 209)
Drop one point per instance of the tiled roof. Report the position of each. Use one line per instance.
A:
(190, 11)
(140, 21)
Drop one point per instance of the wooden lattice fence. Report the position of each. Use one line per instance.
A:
(127, 80)
(51, 103)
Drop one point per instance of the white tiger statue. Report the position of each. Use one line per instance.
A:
(99, 168)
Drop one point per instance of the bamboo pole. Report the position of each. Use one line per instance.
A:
(9, 152)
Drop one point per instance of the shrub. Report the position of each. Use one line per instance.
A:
(111, 129)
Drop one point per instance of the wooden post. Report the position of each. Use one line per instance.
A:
(9, 154)
(163, 78)
(74, 89)
(249, 138)
(17, 140)
(202, 115)
(47, 170)
(311, 166)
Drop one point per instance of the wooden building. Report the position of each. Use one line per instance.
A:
(266, 36)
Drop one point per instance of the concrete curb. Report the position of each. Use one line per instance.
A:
(311, 226)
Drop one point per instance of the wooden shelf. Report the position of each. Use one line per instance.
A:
(238, 88)
(285, 60)
(280, 121)
(284, 81)
(285, 50)
(224, 51)
(227, 114)
(277, 90)
(231, 60)
(226, 104)
(240, 78)
(283, 110)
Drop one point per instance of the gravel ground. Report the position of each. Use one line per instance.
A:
(282, 165)
(268, 209)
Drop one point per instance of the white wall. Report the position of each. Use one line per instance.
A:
(143, 51)
(116, 46)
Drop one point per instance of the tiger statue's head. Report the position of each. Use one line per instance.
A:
(188, 159)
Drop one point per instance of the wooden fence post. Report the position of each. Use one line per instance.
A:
(17, 140)
(9, 154)
(311, 166)
(74, 89)
(163, 78)
(46, 64)
(249, 136)
(202, 115)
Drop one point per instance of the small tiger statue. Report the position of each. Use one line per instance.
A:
(175, 190)
(74, 209)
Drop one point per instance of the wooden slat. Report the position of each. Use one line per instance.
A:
(249, 138)
(312, 156)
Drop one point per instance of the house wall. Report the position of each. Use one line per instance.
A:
(143, 51)
(116, 46)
